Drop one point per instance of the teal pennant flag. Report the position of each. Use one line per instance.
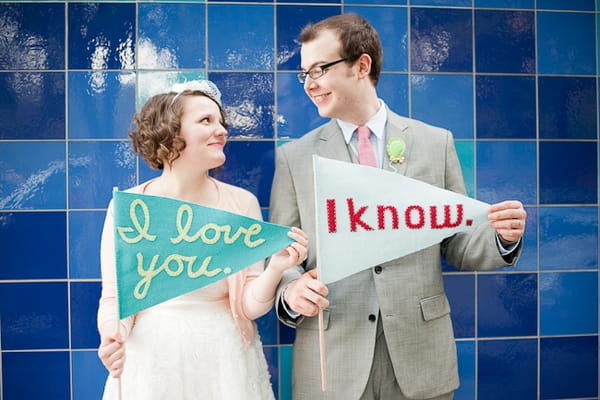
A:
(166, 247)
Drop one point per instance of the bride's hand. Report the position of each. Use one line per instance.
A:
(294, 254)
(112, 354)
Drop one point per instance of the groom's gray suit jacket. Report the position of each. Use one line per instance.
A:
(406, 293)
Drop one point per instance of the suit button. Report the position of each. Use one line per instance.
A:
(378, 269)
(372, 317)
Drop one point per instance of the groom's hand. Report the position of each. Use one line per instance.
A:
(306, 295)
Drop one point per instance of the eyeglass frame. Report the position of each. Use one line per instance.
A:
(321, 68)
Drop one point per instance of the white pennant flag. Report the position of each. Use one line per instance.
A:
(367, 216)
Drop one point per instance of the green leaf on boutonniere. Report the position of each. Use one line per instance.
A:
(395, 150)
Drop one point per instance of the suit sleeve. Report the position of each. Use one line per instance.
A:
(284, 210)
(476, 249)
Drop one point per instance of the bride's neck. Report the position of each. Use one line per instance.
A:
(196, 188)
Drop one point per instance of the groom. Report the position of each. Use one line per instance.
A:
(388, 333)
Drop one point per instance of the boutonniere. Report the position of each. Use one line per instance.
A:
(395, 150)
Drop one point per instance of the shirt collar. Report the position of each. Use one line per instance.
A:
(376, 124)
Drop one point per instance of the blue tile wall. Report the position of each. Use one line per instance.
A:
(497, 376)
(441, 40)
(504, 41)
(36, 103)
(568, 359)
(100, 104)
(101, 36)
(438, 99)
(515, 80)
(505, 107)
(561, 49)
(171, 36)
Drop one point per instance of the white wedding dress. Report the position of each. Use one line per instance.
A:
(189, 348)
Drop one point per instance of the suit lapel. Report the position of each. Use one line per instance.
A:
(332, 144)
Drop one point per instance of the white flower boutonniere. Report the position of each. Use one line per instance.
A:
(395, 150)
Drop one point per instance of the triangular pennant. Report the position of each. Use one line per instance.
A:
(367, 216)
(166, 247)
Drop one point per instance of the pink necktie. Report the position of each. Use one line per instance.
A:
(366, 152)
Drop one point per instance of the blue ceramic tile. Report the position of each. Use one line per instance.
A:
(290, 21)
(505, 107)
(564, 43)
(250, 165)
(252, 45)
(101, 104)
(267, 327)
(466, 155)
(227, 1)
(84, 307)
(391, 24)
(32, 175)
(85, 230)
(393, 90)
(389, 2)
(507, 369)
(526, 4)
(444, 101)
(573, 5)
(285, 373)
(248, 99)
(564, 229)
(460, 290)
(568, 303)
(89, 375)
(504, 41)
(287, 335)
(568, 172)
(310, 1)
(36, 103)
(569, 367)
(567, 107)
(101, 36)
(458, 3)
(466, 370)
(95, 168)
(296, 114)
(441, 40)
(34, 315)
(145, 172)
(265, 213)
(171, 36)
(33, 36)
(506, 305)
(45, 232)
(493, 184)
(272, 356)
(37, 375)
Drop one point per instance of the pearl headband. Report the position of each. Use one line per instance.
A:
(204, 86)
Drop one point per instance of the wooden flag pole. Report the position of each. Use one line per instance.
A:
(119, 384)
(322, 343)
(320, 316)
(119, 335)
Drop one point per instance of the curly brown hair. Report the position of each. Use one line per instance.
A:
(155, 131)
